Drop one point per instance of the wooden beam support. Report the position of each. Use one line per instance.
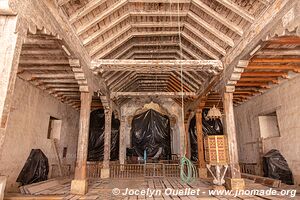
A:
(80, 185)
(160, 94)
(155, 65)
(200, 144)
(230, 132)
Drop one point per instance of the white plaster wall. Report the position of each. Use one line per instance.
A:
(28, 127)
(285, 100)
(168, 104)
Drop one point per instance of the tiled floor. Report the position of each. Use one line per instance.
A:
(102, 189)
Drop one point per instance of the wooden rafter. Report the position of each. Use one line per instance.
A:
(218, 17)
(211, 29)
(237, 9)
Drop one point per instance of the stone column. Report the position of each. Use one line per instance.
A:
(122, 145)
(79, 185)
(234, 182)
(107, 143)
(201, 160)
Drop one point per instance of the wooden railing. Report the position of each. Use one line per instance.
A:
(94, 169)
(127, 171)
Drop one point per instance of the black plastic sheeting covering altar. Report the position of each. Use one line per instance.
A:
(96, 137)
(275, 166)
(36, 168)
(151, 132)
(209, 127)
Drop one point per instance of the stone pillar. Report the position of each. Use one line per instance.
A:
(80, 185)
(201, 160)
(107, 143)
(122, 145)
(234, 182)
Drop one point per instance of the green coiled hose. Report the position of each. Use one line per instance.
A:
(188, 171)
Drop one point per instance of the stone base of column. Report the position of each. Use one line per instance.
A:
(79, 187)
(105, 173)
(202, 172)
(234, 184)
(2, 186)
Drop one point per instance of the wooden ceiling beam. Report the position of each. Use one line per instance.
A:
(110, 10)
(275, 60)
(279, 52)
(199, 46)
(211, 29)
(135, 34)
(264, 74)
(154, 54)
(43, 68)
(62, 2)
(155, 65)
(160, 94)
(273, 67)
(86, 9)
(108, 41)
(237, 9)
(205, 38)
(128, 75)
(223, 20)
(42, 61)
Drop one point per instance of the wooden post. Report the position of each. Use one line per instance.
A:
(201, 160)
(235, 181)
(122, 150)
(107, 143)
(79, 185)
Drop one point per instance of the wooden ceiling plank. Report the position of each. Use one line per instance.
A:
(199, 46)
(103, 15)
(211, 29)
(136, 34)
(218, 17)
(86, 9)
(275, 60)
(104, 29)
(205, 39)
(108, 41)
(264, 74)
(237, 9)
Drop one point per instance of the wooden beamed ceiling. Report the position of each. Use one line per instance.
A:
(265, 71)
(45, 63)
(160, 30)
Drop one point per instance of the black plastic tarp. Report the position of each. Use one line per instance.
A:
(36, 168)
(209, 127)
(151, 132)
(96, 136)
(275, 166)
